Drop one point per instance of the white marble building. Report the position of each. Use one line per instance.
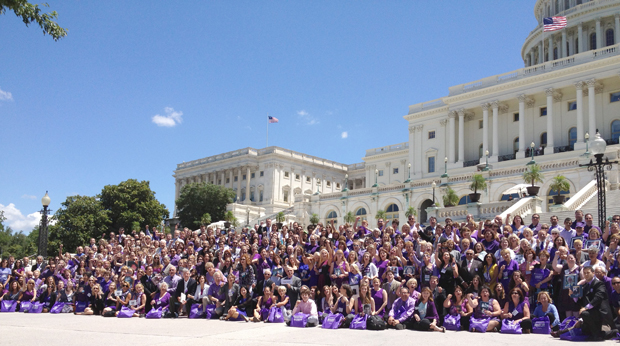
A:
(552, 104)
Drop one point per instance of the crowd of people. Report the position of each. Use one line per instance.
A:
(497, 275)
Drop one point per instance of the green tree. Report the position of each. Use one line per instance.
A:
(381, 214)
(15, 243)
(30, 13)
(478, 182)
(205, 219)
(349, 217)
(77, 220)
(450, 198)
(314, 219)
(132, 201)
(196, 199)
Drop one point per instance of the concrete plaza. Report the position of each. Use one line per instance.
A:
(67, 330)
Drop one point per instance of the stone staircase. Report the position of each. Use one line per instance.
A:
(613, 207)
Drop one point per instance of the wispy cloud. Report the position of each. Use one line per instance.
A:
(344, 135)
(5, 96)
(307, 118)
(18, 221)
(29, 196)
(171, 119)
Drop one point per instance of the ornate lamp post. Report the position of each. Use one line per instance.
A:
(434, 186)
(587, 153)
(532, 162)
(598, 149)
(376, 174)
(42, 248)
(486, 166)
(346, 183)
(445, 168)
(409, 179)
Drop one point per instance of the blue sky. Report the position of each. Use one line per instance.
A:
(86, 111)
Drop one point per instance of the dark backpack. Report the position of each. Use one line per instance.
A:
(375, 323)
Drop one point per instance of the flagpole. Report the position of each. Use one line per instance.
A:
(267, 130)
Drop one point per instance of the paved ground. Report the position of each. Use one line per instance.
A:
(67, 330)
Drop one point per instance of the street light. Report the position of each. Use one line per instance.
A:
(434, 186)
(486, 167)
(42, 248)
(598, 149)
(445, 168)
(409, 179)
(346, 183)
(376, 173)
(532, 162)
(587, 153)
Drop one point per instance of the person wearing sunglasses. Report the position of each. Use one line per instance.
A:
(517, 310)
(97, 302)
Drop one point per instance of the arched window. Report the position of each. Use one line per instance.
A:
(615, 130)
(331, 216)
(543, 139)
(572, 136)
(609, 37)
(361, 212)
(243, 194)
(566, 4)
(515, 145)
(567, 48)
(391, 212)
(593, 41)
(555, 53)
(576, 50)
(464, 200)
(480, 151)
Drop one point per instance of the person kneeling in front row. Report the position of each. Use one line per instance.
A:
(402, 310)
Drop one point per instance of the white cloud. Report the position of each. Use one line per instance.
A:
(17, 221)
(307, 118)
(29, 196)
(171, 119)
(344, 135)
(5, 96)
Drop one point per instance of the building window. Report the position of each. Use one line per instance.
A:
(515, 117)
(307, 179)
(395, 171)
(391, 212)
(480, 124)
(431, 134)
(609, 37)
(576, 50)
(244, 177)
(614, 97)
(566, 5)
(543, 139)
(567, 48)
(480, 151)
(262, 173)
(579, 2)
(337, 185)
(285, 193)
(431, 164)
(361, 212)
(252, 196)
(227, 180)
(260, 195)
(236, 178)
(219, 182)
(252, 175)
(242, 195)
(555, 53)
(329, 183)
(464, 200)
(380, 172)
(297, 177)
(318, 181)
(572, 136)
(593, 41)
(331, 216)
(286, 174)
(572, 106)
(515, 145)
(615, 130)
(543, 111)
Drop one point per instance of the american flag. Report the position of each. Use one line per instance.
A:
(273, 120)
(554, 23)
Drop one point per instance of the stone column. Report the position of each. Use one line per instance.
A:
(550, 49)
(313, 182)
(580, 131)
(581, 44)
(291, 196)
(591, 108)
(495, 129)
(420, 162)
(521, 152)
(451, 135)
(485, 129)
(247, 186)
(230, 177)
(541, 51)
(549, 148)
(239, 176)
(412, 145)
(302, 180)
(461, 114)
(388, 167)
(223, 178)
(564, 52)
(617, 31)
(599, 36)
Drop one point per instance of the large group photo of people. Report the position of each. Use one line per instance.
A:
(502, 275)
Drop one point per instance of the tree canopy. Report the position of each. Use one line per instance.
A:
(196, 199)
(132, 202)
(30, 13)
(16, 244)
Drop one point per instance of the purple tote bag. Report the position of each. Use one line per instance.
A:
(36, 308)
(452, 322)
(8, 306)
(275, 315)
(479, 324)
(541, 325)
(196, 311)
(125, 312)
(299, 320)
(154, 314)
(57, 308)
(359, 322)
(25, 306)
(511, 327)
(332, 321)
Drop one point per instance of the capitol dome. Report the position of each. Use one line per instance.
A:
(591, 25)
